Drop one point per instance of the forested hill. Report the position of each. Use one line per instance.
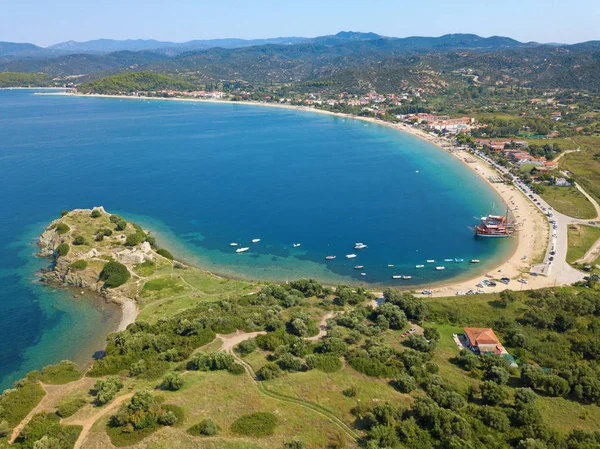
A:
(352, 62)
(132, 82)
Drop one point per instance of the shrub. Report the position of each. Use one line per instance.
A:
(350, 392)
(236, 369)
(324, 362)
(121, 225)
(96, 213)
(135, 239)
(4, 429)
(62, 373)
(107, 389)
(259, 424)
(168, 418)
(79, 240)
(206, 427)
(166, 254)
(492, 393)
(62, 250)
(46, 427)
(172, 381)
(295, 443)
(63, 213)
(269, 371)
(16, 404)
(247, 347)
(114, 274)
(79, 265)
(62, 228)
(69, 406)
(114, 218)
(405, 383)
(288, 362)
(138, 368)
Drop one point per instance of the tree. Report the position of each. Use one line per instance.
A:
(62, 250)
(497, 374)
(107, 389)
(4, 428)
(79, 240)
(96, 213)
(420, 343)
(495, 418)
(172, 381)
(269, 371)
(431, 333)
(114, 274)
(492, 393)
(47, 442)
(247, 347)
(405, 383)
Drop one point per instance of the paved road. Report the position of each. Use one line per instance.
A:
(558, 268)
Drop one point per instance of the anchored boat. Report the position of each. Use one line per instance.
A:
(242, 250)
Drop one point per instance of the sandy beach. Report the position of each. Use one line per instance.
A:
(532, 225)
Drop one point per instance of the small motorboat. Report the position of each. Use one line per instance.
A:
(448, 260)
(396, 277)
(350, 256)
(242, 250)
(419, 266)
(255, 240)
(296, 245)
(360, 246)
(430, 261)
(233, 244)
(475, 260)
(406, 277)
(440, 268)
(363, 274)
(359, 267)
(390, 265)
(329, 257)
(459, 260)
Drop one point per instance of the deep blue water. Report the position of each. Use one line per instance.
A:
(204, 175)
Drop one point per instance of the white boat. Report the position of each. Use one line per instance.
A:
(448, 260)
(359, 267)
(242, 250)
(360, 246)
(475, 261)
(233, 244)
(430, 261)
(296, 245)
(440, 268)
(419, 266)
(350, 256)
(458, 259)
(329, 257)
(363, 274)
(390, 265)
(396, 277)
(406, 277)
(255, 240)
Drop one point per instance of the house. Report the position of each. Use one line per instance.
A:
(561, 182)
(483, 340)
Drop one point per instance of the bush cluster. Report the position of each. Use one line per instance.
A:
(206, 427)
(114, 274)
(62, 250)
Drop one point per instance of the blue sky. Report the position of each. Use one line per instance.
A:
(46, 22)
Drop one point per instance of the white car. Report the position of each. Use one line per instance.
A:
(480, 291)
(460, 293)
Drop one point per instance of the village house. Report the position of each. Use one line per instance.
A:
(484, 341)
(561, 182)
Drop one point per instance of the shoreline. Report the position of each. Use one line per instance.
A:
(530, 241)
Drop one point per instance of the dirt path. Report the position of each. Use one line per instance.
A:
(591, 200)
(232, 340)
(591, 254)
(53, 394)
(322, 327)
(89, 422)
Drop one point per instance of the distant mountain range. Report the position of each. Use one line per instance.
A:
(9, 50)
(348, 60)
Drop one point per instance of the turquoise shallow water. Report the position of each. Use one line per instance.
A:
(204, 175)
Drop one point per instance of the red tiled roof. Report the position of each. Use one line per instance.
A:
(479, 335)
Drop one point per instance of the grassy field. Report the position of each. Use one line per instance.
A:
(569, 201)
(580, 241)
(584, 164)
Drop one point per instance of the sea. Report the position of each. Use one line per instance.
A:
(201, 176)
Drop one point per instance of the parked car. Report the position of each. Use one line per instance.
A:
(460, 293)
